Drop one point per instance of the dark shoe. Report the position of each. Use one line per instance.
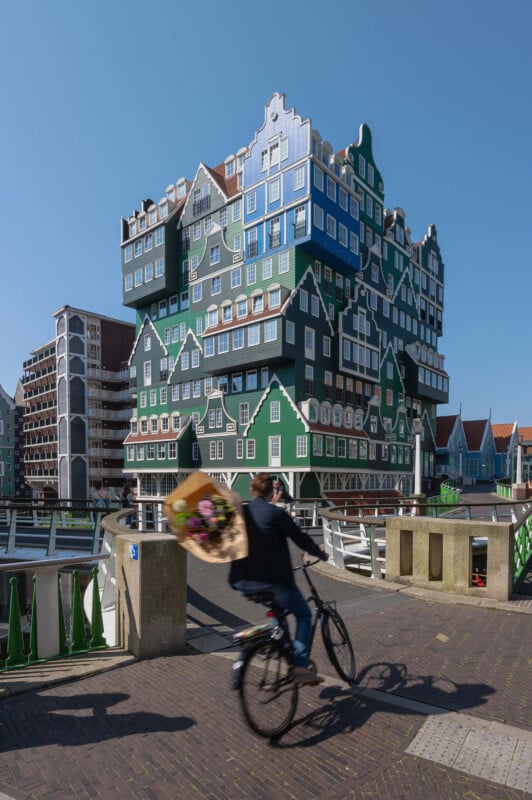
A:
(306, 677)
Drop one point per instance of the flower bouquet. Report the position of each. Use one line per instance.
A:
(207, 519)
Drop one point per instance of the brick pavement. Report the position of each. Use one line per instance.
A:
(170, 728)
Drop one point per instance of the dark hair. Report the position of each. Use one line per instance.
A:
(261, 485)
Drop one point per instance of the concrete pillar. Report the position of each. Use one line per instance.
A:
(151, 585)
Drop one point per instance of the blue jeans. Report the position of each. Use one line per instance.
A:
(290, 597)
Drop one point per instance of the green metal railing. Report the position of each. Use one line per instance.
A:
(522, 545)
(83, 637)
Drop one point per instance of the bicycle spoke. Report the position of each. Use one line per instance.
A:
(267, 690)
(338, 645)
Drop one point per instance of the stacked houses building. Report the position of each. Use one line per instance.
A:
(286, 322)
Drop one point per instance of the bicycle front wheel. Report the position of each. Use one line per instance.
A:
(338, 645)
(267, 689)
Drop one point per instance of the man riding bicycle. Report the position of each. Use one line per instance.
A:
(268, 566)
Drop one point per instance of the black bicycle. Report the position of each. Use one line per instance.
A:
(264, 675)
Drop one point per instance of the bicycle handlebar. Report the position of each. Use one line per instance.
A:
(306, 564)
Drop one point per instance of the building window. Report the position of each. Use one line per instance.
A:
(251, 202)
(284, 262)
(318, 217)
(274, 190)
(147, 373)
(243, 413)
(299, 178)
(270, 330)
(317, 445)
(257, 304)
(253, 335)
(240, 448)
(251, 274)
(215, 254)
(223, 343)
(303, 300)
(250, 448)
(309, 343)
(216, 285)
(236, 277)
(238, 339)
(309, 379)
(331, 226)
(275, 411)
(275, 232)
(253, 243)
(331, 189)
(236, 382)
(251, 380)
(318, 178)
(290, 332)
(301, 446)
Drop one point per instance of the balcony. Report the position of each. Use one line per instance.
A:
(105, 394)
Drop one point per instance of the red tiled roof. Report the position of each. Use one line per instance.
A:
(444, 428)
(526, 433)
(228, 185)
(141, 438)
(502, 435)
(474, 431)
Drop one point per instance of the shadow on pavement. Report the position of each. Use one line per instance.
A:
(442, 692)
(49, 723)
(345, 712)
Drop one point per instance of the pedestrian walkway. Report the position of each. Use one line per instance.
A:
(441, 709)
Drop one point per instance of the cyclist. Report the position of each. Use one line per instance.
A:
(268, 566)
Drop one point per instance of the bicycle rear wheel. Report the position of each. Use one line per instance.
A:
(267, 689)
(338, 644)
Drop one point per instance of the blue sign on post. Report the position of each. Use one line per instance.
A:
(134, 552)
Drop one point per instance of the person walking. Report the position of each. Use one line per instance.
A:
(281, 497)
(125, 499)
(268, 566)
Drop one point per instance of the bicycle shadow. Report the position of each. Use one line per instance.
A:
(384, 676)
(347, 710)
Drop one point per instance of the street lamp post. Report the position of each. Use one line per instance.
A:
(418, 427)
(519, 466)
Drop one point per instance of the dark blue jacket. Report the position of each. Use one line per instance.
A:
(268, 560)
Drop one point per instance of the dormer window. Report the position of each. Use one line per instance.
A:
(132, 228)
(142, 223)
(230, 168)
(163, 209)
(153, 216)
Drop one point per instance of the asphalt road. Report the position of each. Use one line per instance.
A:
(211, 601)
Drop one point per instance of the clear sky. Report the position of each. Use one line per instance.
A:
(106, 103)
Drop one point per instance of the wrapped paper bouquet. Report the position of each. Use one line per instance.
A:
(207, 519)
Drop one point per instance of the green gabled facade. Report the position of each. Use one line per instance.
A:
(285, 322)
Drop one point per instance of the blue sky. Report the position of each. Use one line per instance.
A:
(106, 103)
